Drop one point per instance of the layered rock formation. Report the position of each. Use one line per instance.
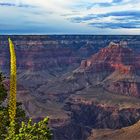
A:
(115, 67)
(50, 52)
(58, 77)
(89, 89)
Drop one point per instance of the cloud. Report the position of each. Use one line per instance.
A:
(104, 4)
(125, 14)
(135, 14)
(129, 25)
(113, 20)
(117, 1)
(7, 4)
(70, 16)
(15, 4)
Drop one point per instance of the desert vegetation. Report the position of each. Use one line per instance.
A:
(14, 124)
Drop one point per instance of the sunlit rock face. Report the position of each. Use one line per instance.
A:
(115, 67)
(48, 57)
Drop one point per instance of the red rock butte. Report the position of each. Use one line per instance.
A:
(113, 57)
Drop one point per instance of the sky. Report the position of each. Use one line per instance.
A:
(70, 17)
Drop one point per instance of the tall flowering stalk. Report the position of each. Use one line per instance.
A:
(36, 131)
(12, 97)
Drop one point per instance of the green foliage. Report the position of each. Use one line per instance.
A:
(3, 91)
(33, 131)
(4, 120)
(23, 130)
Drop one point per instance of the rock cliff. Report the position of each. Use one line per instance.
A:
(79, 84)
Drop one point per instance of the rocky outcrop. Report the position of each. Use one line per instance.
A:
(116, 56)
(115, 67)
(131, 133)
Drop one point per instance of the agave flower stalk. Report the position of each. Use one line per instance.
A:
(12, 96)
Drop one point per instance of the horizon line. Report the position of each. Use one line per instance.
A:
(74, 34)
